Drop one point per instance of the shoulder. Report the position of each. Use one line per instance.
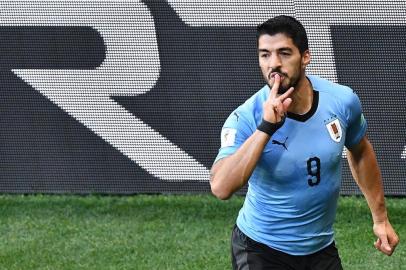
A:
(242, 122)
(337, 92)
(329, 87)
(252, 107)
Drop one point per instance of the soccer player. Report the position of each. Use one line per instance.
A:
(286, 141)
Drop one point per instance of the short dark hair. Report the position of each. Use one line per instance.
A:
(288, 26)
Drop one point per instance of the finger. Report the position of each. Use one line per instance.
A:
(286, 94)
(393, 245)
(280, 110)
(286, 103)
(393, 239)
(386, 252)
(377, 243)
(275, 87)
(383, 245)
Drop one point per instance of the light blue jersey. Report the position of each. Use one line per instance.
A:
(292, 194)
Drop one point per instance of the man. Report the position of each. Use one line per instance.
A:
(286, 142)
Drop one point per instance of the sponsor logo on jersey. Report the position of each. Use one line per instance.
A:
(283, 144)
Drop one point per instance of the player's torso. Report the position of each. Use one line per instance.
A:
(304, 156)
(292, 195)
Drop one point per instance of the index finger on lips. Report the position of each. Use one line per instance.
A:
(275, 87)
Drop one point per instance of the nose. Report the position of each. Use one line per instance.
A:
(274, 62)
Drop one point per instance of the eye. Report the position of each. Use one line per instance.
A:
(264, 55)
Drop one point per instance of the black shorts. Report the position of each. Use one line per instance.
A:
(249, 254)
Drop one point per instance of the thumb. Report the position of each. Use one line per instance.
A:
(384, 243)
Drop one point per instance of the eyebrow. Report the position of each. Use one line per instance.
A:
(285, 49)
(263, 50)
(280, 49)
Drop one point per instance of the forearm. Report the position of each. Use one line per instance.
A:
(366, 172)
(232, 173)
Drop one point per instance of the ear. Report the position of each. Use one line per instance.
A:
(305, 58)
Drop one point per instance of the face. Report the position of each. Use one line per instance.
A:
(279, 55)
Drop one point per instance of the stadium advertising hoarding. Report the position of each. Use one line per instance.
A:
(130, 96)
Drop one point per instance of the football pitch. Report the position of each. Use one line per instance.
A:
(159, 232)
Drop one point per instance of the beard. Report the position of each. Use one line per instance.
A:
(288, 81)
(293, 81)
(283, 88)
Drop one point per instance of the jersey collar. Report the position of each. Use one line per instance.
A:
(311, 112)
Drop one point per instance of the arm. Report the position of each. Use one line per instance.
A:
(231, 173)
(366, 172)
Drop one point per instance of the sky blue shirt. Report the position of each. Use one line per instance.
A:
(292, 194)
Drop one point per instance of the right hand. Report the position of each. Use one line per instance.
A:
(276, 107)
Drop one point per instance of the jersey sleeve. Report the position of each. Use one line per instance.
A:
(236, 130)
(357, 124)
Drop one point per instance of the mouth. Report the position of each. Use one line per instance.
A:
(272, 75)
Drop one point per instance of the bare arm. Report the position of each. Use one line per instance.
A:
(366, 172)
(230, 174)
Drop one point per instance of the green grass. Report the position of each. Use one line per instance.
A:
(158, 232)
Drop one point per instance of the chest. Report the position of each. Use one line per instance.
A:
(304, 150)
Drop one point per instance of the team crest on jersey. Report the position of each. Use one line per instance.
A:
(334, 129)
(228, 137)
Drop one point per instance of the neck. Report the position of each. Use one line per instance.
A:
(302, 97)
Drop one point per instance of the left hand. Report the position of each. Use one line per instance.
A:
(387, 237)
